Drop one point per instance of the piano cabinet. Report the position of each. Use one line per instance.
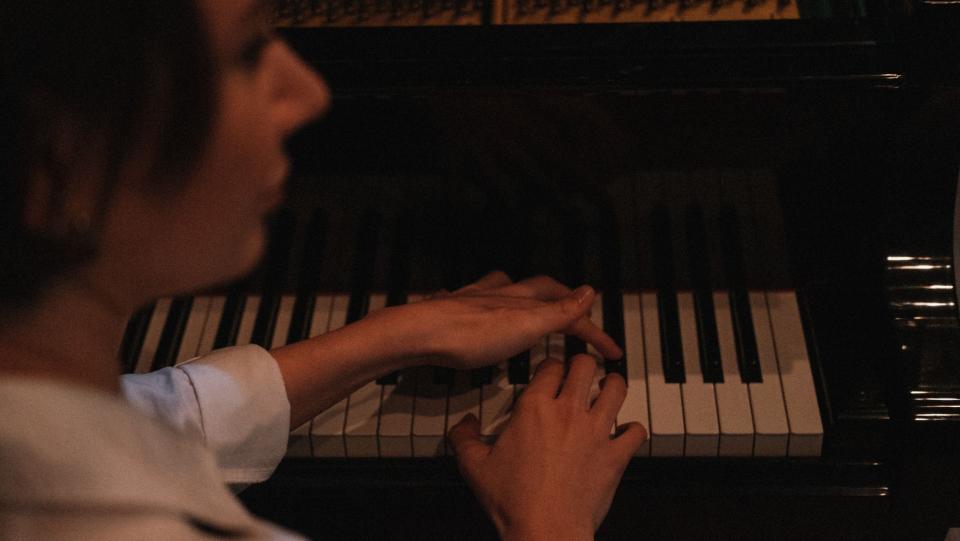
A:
(815, 161)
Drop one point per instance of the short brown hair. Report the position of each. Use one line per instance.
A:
(110, 67)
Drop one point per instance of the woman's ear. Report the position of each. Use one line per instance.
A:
(61, 190)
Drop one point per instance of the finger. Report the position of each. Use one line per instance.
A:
(546, 380)
(628, 440)
(465, 441)
(579, 380)
(543, 288)
(588, 331)
(569, 315)
(566, 311)
(613, 392)
(493, 279)
(439, 294)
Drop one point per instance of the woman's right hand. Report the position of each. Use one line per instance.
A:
(553, 471)
(486, 322)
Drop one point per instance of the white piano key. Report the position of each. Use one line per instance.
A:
(394, 434)
(539, 353)
(363, 409)
(666, 408)
(320, 321)
(766, 398)
(300, 442)
(247, 320)
(327, 430)
(463, 398)
(282, 326)
(799, 395)
(556, 347)
(362, 414)
(151, 340)
(699, 398)
(429, 409)
(635, 407)
(193, 331)
(210, 328)
(733, 398)
(429, 415)
(496, 404)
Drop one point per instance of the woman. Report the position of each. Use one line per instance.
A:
(142, 148)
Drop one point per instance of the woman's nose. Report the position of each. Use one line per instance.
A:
(301, 95)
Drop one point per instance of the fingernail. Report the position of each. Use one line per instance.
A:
(582, 292)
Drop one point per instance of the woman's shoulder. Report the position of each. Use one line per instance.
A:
(67, 447)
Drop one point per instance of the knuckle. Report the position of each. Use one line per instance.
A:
(551, 363)
(583, 359)
(615, 382)
(533, 403)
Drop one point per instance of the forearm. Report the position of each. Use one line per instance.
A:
(321, 371)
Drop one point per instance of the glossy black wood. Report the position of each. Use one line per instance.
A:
(834, 143)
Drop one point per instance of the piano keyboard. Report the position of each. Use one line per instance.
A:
(696, 400)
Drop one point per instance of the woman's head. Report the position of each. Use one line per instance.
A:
(142, 142)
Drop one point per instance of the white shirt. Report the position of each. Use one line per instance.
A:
(77, 463)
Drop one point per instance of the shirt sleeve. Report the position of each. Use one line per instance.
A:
(233, 398)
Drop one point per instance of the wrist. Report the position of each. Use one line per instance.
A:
(405, 338)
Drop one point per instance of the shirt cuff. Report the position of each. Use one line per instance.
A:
(244, 411)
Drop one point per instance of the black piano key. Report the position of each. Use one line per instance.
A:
(398, 279)
(266, 320)
(574, 246)
(748, 359)
(302, 316)
(363, 265)
(172, 333)
(671, 347)
(277, 261)
(707, 338)
(613, 326)
(443, 375)
(518, 369)
(229, 324)
(482, 376)
(133, 338)
(390, 379)
(303, 306)
(610, 267)
(670, 342)
(358, 306)
(573, 345)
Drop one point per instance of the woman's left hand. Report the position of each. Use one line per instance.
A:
(491, 320)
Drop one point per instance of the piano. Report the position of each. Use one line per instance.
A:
(765, 195)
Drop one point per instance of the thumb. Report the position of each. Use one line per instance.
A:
(465, 440)
(566, 311)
